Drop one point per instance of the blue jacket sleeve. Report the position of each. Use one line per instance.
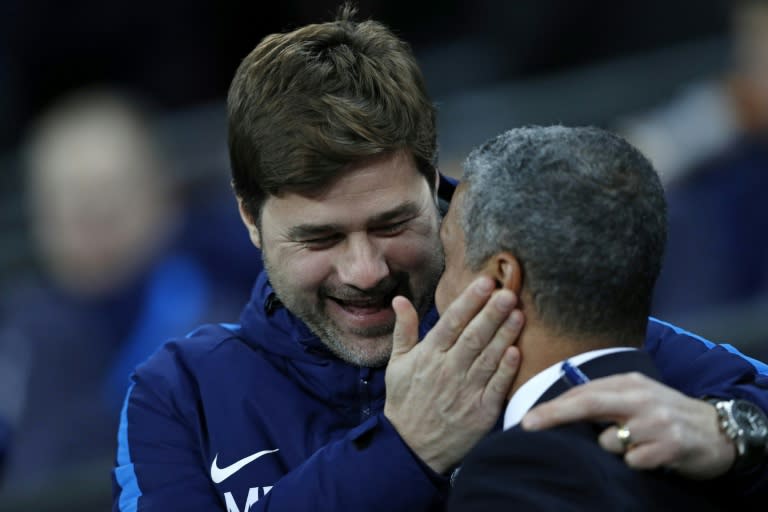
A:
(371, 469)
(700, 368)
(160, 464)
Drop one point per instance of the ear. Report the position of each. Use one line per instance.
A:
(437, 184)
(253, 231)
(505, 269)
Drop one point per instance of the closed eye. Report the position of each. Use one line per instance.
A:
(322, 242)
(391, 229)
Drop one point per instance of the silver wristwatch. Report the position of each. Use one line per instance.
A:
(747, 426)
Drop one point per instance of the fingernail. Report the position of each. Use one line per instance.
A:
(511, 357)
(530, 421)
(484, 285)
(504, 301)
(514, 320)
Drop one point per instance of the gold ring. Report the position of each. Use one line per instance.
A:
(624, 436)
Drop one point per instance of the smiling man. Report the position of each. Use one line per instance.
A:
(337, 256)
(339, 389)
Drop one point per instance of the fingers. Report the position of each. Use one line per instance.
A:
(647, 456)
(406, 332)
(489, 325)
(575, 405)
(611, 399)
(662, 427)
(459, 314)
(487, 363)
(652, 425)
(500, 382)
(643, 450)
(677, 432)
(609, 440)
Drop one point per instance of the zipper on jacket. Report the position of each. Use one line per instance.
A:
(363, 385)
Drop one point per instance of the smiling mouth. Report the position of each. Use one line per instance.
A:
(370, 308)
(363, 307)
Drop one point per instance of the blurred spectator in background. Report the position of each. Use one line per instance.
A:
(709, 114)
(124, 263)
(715, 275)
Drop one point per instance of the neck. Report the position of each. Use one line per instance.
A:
(540, 348)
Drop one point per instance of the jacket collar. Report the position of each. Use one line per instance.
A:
(617, 362)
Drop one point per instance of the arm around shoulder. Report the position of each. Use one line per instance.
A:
(700, 368)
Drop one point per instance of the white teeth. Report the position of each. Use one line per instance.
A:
(361, 304)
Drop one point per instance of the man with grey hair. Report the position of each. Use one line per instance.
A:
(573, 221)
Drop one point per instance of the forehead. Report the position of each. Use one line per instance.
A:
(363, 190)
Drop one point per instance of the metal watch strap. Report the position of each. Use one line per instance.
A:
(747, 456)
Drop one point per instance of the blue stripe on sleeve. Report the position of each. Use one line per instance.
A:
(124, 472)
(760, 366)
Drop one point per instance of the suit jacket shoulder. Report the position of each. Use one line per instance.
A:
(565, 469)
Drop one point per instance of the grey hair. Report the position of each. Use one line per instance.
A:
(583, 212)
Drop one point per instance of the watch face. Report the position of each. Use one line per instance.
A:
(751, 420)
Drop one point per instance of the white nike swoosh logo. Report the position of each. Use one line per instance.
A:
(218, 474)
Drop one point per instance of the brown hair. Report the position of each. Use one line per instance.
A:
(305, 104)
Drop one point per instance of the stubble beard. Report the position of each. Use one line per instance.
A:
(367, 347)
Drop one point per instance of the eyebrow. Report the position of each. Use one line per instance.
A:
(304, 231)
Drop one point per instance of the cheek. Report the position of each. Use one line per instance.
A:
(456, 277)
(442, 294)
(303, 270)
(409, 253)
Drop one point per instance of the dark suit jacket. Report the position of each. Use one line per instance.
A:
(565, 469)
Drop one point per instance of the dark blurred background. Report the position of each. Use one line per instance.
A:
(111, 108)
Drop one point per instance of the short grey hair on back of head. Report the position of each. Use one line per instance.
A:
(583, 212)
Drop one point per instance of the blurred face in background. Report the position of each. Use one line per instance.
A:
(99, 206)
(749, 80)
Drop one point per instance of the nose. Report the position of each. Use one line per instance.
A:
(363, 264)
